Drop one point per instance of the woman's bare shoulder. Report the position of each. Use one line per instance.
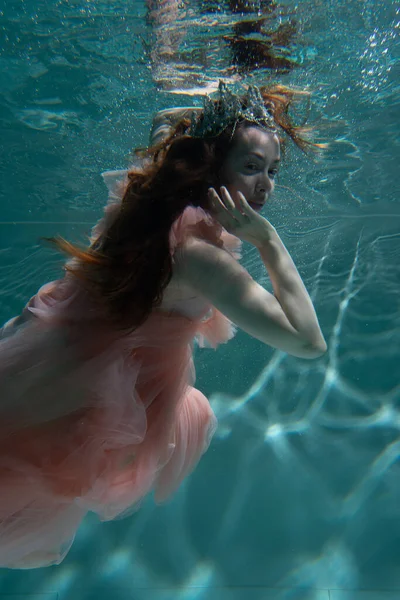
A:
(204, 266)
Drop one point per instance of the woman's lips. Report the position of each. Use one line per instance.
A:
(257, 206)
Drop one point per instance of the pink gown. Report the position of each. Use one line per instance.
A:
(91, 420)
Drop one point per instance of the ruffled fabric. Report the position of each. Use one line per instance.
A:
(93, 421)
(116, 182)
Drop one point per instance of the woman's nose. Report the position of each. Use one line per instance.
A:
(264, 186)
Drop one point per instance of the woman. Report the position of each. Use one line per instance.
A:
(97, 399)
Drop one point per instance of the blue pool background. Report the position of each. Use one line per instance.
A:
(299, 494)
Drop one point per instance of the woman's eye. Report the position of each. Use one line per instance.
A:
(273, 173)
(251, 166)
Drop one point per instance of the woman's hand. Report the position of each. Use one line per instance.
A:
(241, 220)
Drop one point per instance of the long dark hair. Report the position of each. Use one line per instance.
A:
(127, 269)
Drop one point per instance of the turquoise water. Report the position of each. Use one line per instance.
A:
(299, 494)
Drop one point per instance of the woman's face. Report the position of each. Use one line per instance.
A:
(251, 166)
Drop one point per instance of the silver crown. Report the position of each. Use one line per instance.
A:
(228, 109)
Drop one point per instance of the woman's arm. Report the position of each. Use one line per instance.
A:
(289, 289)
(286, 319)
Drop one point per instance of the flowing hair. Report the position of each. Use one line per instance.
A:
(127, 268)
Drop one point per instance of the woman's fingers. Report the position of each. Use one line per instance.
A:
(222, 205)
(224, 215)
(226, 197)
(236, 211)
(216, 200)
(218, 205)
(244, 205)
(240, 211)
(229, 215)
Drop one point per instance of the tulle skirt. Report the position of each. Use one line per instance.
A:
(92, 430)
(91, 420)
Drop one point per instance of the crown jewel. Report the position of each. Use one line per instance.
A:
(228, 110)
